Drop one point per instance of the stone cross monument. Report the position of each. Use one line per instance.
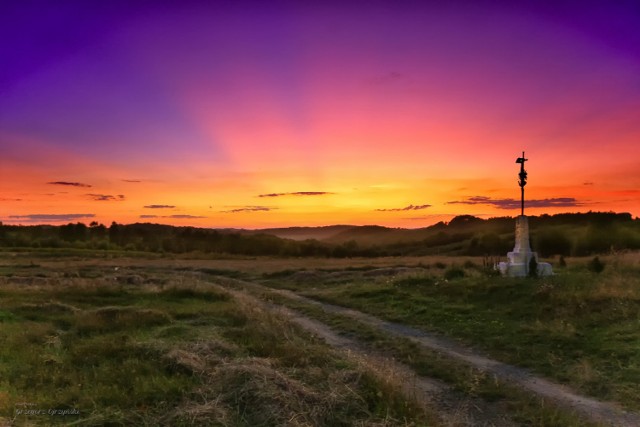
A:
(520, 258)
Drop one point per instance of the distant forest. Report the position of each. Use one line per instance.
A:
(575, 234)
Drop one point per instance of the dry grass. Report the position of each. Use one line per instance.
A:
(379, 390)
(618, 285)
(171, 350)
(200, 357)
(265, 393)
(48, 307)
(194, 290)
(107, 319)
(253, 265)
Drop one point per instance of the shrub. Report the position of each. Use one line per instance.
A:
(533, 267)
(470, 265)
(595, 265)
(553, 242)
(561, 262)
(453, 272)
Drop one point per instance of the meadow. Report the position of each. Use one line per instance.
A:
(579, 327)
(96, 344)
(95, 339)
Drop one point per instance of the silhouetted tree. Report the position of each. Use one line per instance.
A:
(552, 242)
(73, 232)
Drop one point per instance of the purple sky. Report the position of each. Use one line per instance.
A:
(251, 97)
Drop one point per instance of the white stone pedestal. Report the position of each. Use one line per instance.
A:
(520, 257)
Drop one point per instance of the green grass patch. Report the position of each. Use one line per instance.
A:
(579, 327)
(467, 380)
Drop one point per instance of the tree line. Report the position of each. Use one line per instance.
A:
(576, 234)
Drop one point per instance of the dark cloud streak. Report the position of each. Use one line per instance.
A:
(72, 184)
(297, 193)
(159, 207)
(50, 217)
(249, 209)
(406, 208)
(106, 197)
(178, 216)
(515, 204)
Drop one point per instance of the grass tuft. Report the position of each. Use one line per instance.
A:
(107, 319)
(195, 292)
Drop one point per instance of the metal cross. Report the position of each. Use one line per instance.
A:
(522, 182)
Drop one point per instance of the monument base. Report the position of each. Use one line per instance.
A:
(520, 257)
(522, 270)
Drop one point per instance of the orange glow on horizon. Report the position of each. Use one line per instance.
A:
(400, 117)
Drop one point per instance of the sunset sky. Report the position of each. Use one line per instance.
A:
(262, 114)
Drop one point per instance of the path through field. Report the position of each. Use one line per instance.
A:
(454, 409)
(429, 390)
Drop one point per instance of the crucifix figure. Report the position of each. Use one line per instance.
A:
(523, 181)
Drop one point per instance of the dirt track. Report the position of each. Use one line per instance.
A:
(590, 409)
(453, 408)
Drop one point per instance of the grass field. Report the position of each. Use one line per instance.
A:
(107, 339)
(92, 345)
(578, 327)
